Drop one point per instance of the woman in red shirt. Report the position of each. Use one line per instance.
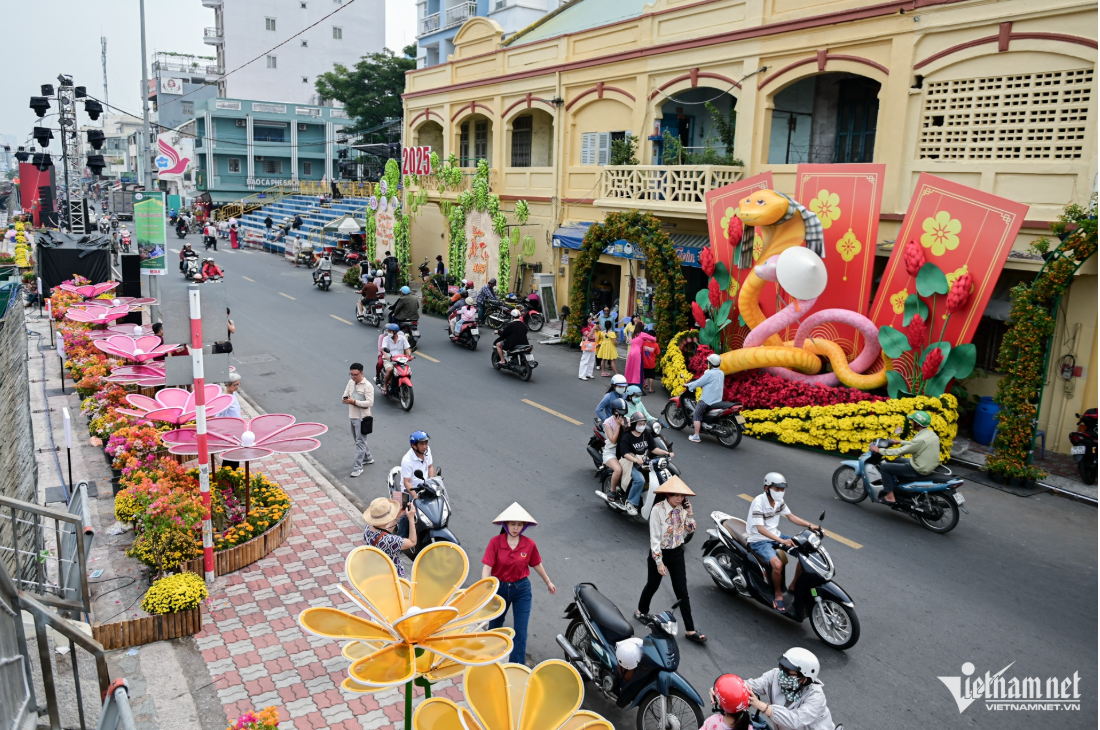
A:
(509, 558)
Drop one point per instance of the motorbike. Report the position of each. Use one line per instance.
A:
(657, 471)
(733, 566)
(468, 335)
(374, 314)
(208, 241)
(411, 328)
(305, 258)
(124, 241)
(665, 700)
(530, 310)
(1083, 445)
(433, 509)
(497, 314)
(190, 267)
(322, 278)
(104, 226)
(181, 231)
(723, 419)
(519, 361)
(425, 272)
(932, 500)
(401, 386)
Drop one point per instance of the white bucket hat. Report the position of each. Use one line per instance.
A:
(515, 513)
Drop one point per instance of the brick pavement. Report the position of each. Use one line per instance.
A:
(257, 654)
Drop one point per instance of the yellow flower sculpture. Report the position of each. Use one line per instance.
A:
(956, 274)
(898, 301)
(423, 628)
(730, 213)
(757, 247)
(941, 233)
(513, 697)
(827, 207)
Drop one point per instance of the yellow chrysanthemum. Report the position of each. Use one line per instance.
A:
(941, 233)
(423, 628)
(513, 697)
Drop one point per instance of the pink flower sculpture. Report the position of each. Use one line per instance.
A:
(136, 330)
(94, 314)
(241, 439)
(89, 291)
(144, 376)
(175, 405)
(138, 349)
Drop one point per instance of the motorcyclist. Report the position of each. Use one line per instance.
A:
(465, 289)
(124, 237)
(712, 383)
(635, 445)
(511, 335)
(615, 392)
(393, 343)
(211, 270)
(486, 296)
(613, 427)
(634, 403)
(764, 534)
(187, 253)
(406, 308)
(172, 216)
(368, 294)
(210, 235)
(417, 458)
(791, 695)
(468, 313)
(181, 225)
(325, 264)
(730, 697)
(925, 448)
(114, 222)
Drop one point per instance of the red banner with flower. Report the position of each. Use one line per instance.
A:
(722, 205)
(962, 230)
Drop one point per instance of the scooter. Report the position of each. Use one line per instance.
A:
(433, 509)
(124, 241)
(468, 335)
(733, 566)
(411, 328)
(322, 278)
(190, 267)
(933, 500)
(1083, 445)
(519, 361)
(665, 700)
(181, 231)
(208, 241)
(658, 471)
(723, 419)
(372, 315)
(425, 272)
(401, 386)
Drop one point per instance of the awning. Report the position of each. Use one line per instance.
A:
(571, 235)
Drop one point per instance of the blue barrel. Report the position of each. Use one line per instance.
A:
(985, 420)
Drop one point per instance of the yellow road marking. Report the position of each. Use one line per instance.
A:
(552, 412)
(247, 279)
(339, 319)
(829, 533)
(426, 357)
(287, 296)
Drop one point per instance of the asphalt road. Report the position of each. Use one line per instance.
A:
(1014, 583)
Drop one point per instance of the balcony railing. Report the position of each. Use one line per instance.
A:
(212, 35)
(188, 68)
(665, 183)
(459, 14)
(429, 24)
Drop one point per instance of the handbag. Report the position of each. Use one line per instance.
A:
(366, 426)
(588, 346)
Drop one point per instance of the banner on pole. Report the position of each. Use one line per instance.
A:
(150, 229)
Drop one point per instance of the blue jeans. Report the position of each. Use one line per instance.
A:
(766, 548)
(637, 484)
(518, 596)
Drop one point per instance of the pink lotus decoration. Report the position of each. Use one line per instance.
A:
(89, 291)
(134, 303)
(175, 405)
(135, 330)
(138, 349)
(95, 314)
(242, 439)
(144, 376)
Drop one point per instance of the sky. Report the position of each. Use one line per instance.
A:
(70, 44)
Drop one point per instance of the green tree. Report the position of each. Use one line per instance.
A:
(726, 126)
(624, 151)
(371, 89)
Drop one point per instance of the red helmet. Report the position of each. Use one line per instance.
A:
(732, 694)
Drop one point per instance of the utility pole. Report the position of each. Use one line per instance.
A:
(154, 313)
(103, 55)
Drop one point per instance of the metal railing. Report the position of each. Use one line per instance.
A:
(212, 32)
(665, 183)
(429, 24)
(459, 14)
(53, 563)
(252, 202)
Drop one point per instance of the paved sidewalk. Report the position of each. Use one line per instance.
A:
(253, 646)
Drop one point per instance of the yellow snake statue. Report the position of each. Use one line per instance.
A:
(801, 273)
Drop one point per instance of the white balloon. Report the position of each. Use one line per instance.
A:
(802, 273)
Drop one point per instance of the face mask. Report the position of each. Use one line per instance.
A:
(776, 495)
(791, 686)
(619, 389)
(635, 398)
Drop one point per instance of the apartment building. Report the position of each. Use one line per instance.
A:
(177, 81)
(437, 22)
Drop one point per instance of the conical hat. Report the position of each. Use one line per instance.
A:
(515, 513)
(675, 485)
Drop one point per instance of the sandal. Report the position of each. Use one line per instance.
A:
(696, 637)
(778, 605)
(638, 616)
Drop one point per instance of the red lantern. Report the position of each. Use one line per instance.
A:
(707, 260)
(932, 364)
(735, 231)
(697, 314)
(959, 295)
(917, 333)
(715, 293)
(914, 257)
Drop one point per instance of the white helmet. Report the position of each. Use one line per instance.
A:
(714, 359)
(775, 479)
(618, 379)
(803, 661)
(629, 652)
(516, 314)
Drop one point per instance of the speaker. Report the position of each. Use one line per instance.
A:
(47, 215)
(131, 284)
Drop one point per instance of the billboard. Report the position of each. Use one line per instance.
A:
(151, 231)
(171, 86)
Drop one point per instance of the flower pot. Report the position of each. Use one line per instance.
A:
(116, 487)
(997, 478)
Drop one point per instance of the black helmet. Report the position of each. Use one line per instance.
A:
(618, 407)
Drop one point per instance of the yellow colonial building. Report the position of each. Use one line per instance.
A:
(998, 95)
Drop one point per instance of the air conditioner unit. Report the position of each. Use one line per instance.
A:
(301, 127)
(241, 123)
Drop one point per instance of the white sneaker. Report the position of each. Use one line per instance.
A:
(631, 510)
(694, 439)
(357, 472)
(368, 461)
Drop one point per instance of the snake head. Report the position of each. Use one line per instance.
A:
(762, 208)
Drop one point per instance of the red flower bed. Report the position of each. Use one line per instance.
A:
(757, 389)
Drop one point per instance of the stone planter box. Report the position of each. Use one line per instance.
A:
(239, 556)
(146, 630)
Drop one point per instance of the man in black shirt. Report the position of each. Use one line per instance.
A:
(511, 335)
(634, 446)
(391, 265)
